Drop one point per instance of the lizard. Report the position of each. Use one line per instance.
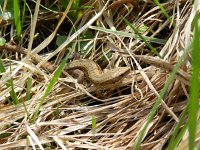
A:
(94, 73)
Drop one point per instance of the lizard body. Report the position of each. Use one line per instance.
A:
(94, 73)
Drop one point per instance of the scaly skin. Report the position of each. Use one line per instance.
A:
(94, 73)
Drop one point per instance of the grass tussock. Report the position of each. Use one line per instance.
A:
(154, 106)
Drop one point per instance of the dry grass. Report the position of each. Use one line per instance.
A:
(65, 118)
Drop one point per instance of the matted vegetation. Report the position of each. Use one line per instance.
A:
(45, 106)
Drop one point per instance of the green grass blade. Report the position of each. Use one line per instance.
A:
(94, 121)
(23, 12)
(9, 84)
(17, 17)
(2, 68)
(130, 35)
(194, 88)
(51, 84)
(176, 136)
(180, 136)
(158, 101)
(164, 12)
(28, 88)
(145, 41)
(13, 94)
(26, 110)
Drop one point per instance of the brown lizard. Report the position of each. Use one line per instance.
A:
(94, 73)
